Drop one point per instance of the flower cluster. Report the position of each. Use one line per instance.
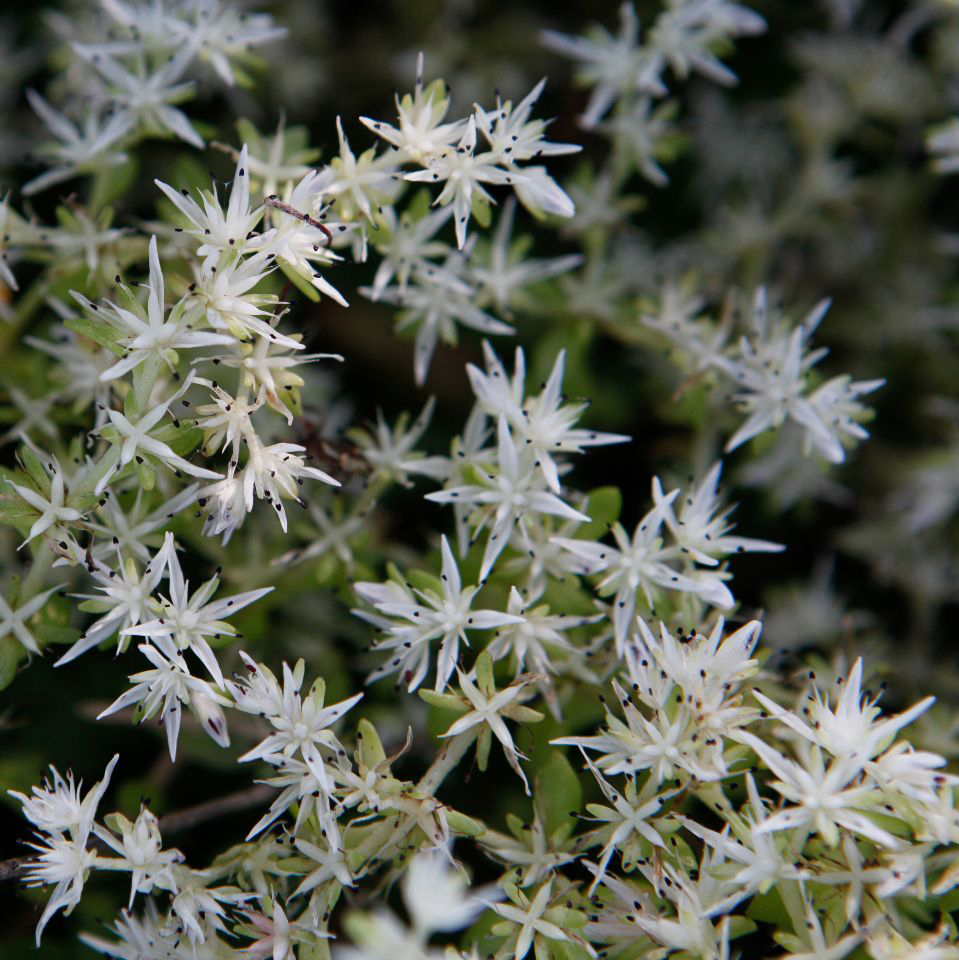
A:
(770, 368)
(580, 707)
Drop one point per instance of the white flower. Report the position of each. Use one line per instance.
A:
(220, 231)
(65, 860)
(53, 508)
(434, 302)
(534, 643)
(685, 34)
(130, 440)
(677, 315)
(463, 173)
(146, 334)
(708, 671)
(79, 365)
(331, 865)
(13, 621)
(359, 186)
(220, 32)
(515, 138)
(502, 271)
(190, 621)
(487, 705)
(82, 239)
(661, 745)
(641, 137)
(528, 914)
(265, 370)
(825, 798)
(197, 906)
(411, 626)
(420, 134)
(542, 424)
(305, 784)
(612, 66)
(772, 372)
(125, 601)
(274, 472)
(300, 724)
(225, 295)
(77, 149)
(298, 242)
(636, 563)
(226, 421)
(759, 860)
(170, 685)
(853, 726)
(131, 532)
(226, 503)
(148, 96)
(627, 815)
(504, 497)
(408, 243)
(436, 895)
(699, 530)
(695, 902)
(57, 808)
(814, 937)
(334, 535)
(138, 936)
(141, 848)
(66, 863)
(33, 414)
(390, 450)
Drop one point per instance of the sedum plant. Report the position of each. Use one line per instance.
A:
(457, 683)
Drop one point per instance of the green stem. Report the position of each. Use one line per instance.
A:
(371, 493)
(26, 306)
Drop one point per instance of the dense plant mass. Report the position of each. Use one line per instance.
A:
(501, 676)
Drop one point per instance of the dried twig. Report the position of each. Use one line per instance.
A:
(273, 201)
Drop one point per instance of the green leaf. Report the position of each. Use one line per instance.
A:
(557, 792)
(99, 331)
(567, 950)
(603, 507)
(15, 511)
(483, 743)
(113, 182)
(9, 658)
(484, 673)
(740, 926)
(371, 747)
(299, 280)
(144, 377)
(482, 211)
(950, 902)
(421, 580)
(146, 475)
(768, 907)
(51, 633)
(463, 825)
(34, 468)
(443, 701)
